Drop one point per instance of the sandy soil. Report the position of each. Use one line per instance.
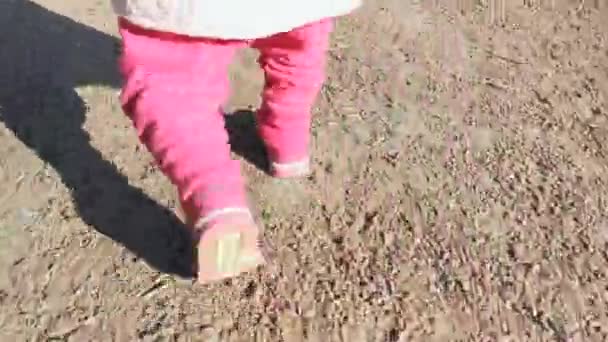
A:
(459, 189)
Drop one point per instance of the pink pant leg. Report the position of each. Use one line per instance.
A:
(173, 90)
(294, 66)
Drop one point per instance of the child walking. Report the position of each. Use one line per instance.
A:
(174, 63)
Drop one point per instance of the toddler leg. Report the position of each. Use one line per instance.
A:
(173, 89)
(294, 66)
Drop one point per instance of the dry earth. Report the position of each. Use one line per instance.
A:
(459, 189)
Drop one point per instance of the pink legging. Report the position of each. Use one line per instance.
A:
(175, 86)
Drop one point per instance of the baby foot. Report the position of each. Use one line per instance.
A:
(227, 244)
(297, 169)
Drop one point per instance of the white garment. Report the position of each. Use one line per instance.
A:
(230, 19)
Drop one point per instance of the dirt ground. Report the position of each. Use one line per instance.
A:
(459, 193)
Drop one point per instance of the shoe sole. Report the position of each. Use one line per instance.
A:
(228, 250)
(290, 174)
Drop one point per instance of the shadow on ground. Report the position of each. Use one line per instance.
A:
(244, 139)
(43, 57)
